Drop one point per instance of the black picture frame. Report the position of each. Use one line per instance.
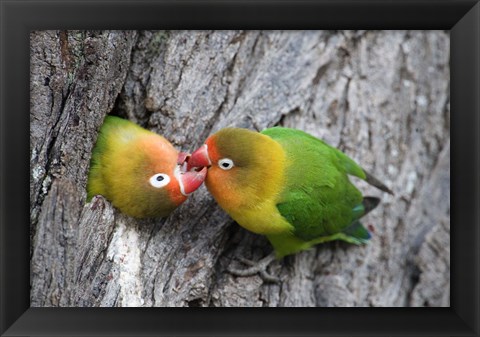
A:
(18, 18)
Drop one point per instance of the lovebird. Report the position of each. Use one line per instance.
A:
(287, 185)
(139, 171)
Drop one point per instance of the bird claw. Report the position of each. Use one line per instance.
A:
(259, 267)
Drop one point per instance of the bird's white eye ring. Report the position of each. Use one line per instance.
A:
(225, 164)
(159, 180)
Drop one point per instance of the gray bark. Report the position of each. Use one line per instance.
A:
(380, 96)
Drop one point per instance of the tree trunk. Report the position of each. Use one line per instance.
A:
(382, 97)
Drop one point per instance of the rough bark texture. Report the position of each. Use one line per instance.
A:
(380, 96)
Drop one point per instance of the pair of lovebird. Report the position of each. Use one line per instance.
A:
(281, 182)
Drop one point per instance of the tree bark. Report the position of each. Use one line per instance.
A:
(382, 97)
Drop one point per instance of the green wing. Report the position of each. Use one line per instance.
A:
(318, 199)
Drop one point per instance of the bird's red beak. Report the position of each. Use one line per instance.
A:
(192, 180)
(189, 180)
(199, 158)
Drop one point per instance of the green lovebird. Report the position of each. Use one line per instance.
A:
(287, 185)
(138, 171)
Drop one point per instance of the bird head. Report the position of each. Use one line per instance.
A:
(241, 164)
(150, 178)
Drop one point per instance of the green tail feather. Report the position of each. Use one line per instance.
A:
(356, 233)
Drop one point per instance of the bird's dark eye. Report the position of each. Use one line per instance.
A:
(225, 163)
(159, 180)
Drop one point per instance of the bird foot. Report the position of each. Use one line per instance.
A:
(259, 267)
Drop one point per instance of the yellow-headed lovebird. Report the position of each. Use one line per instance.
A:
(287, 185)
(138, 171)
